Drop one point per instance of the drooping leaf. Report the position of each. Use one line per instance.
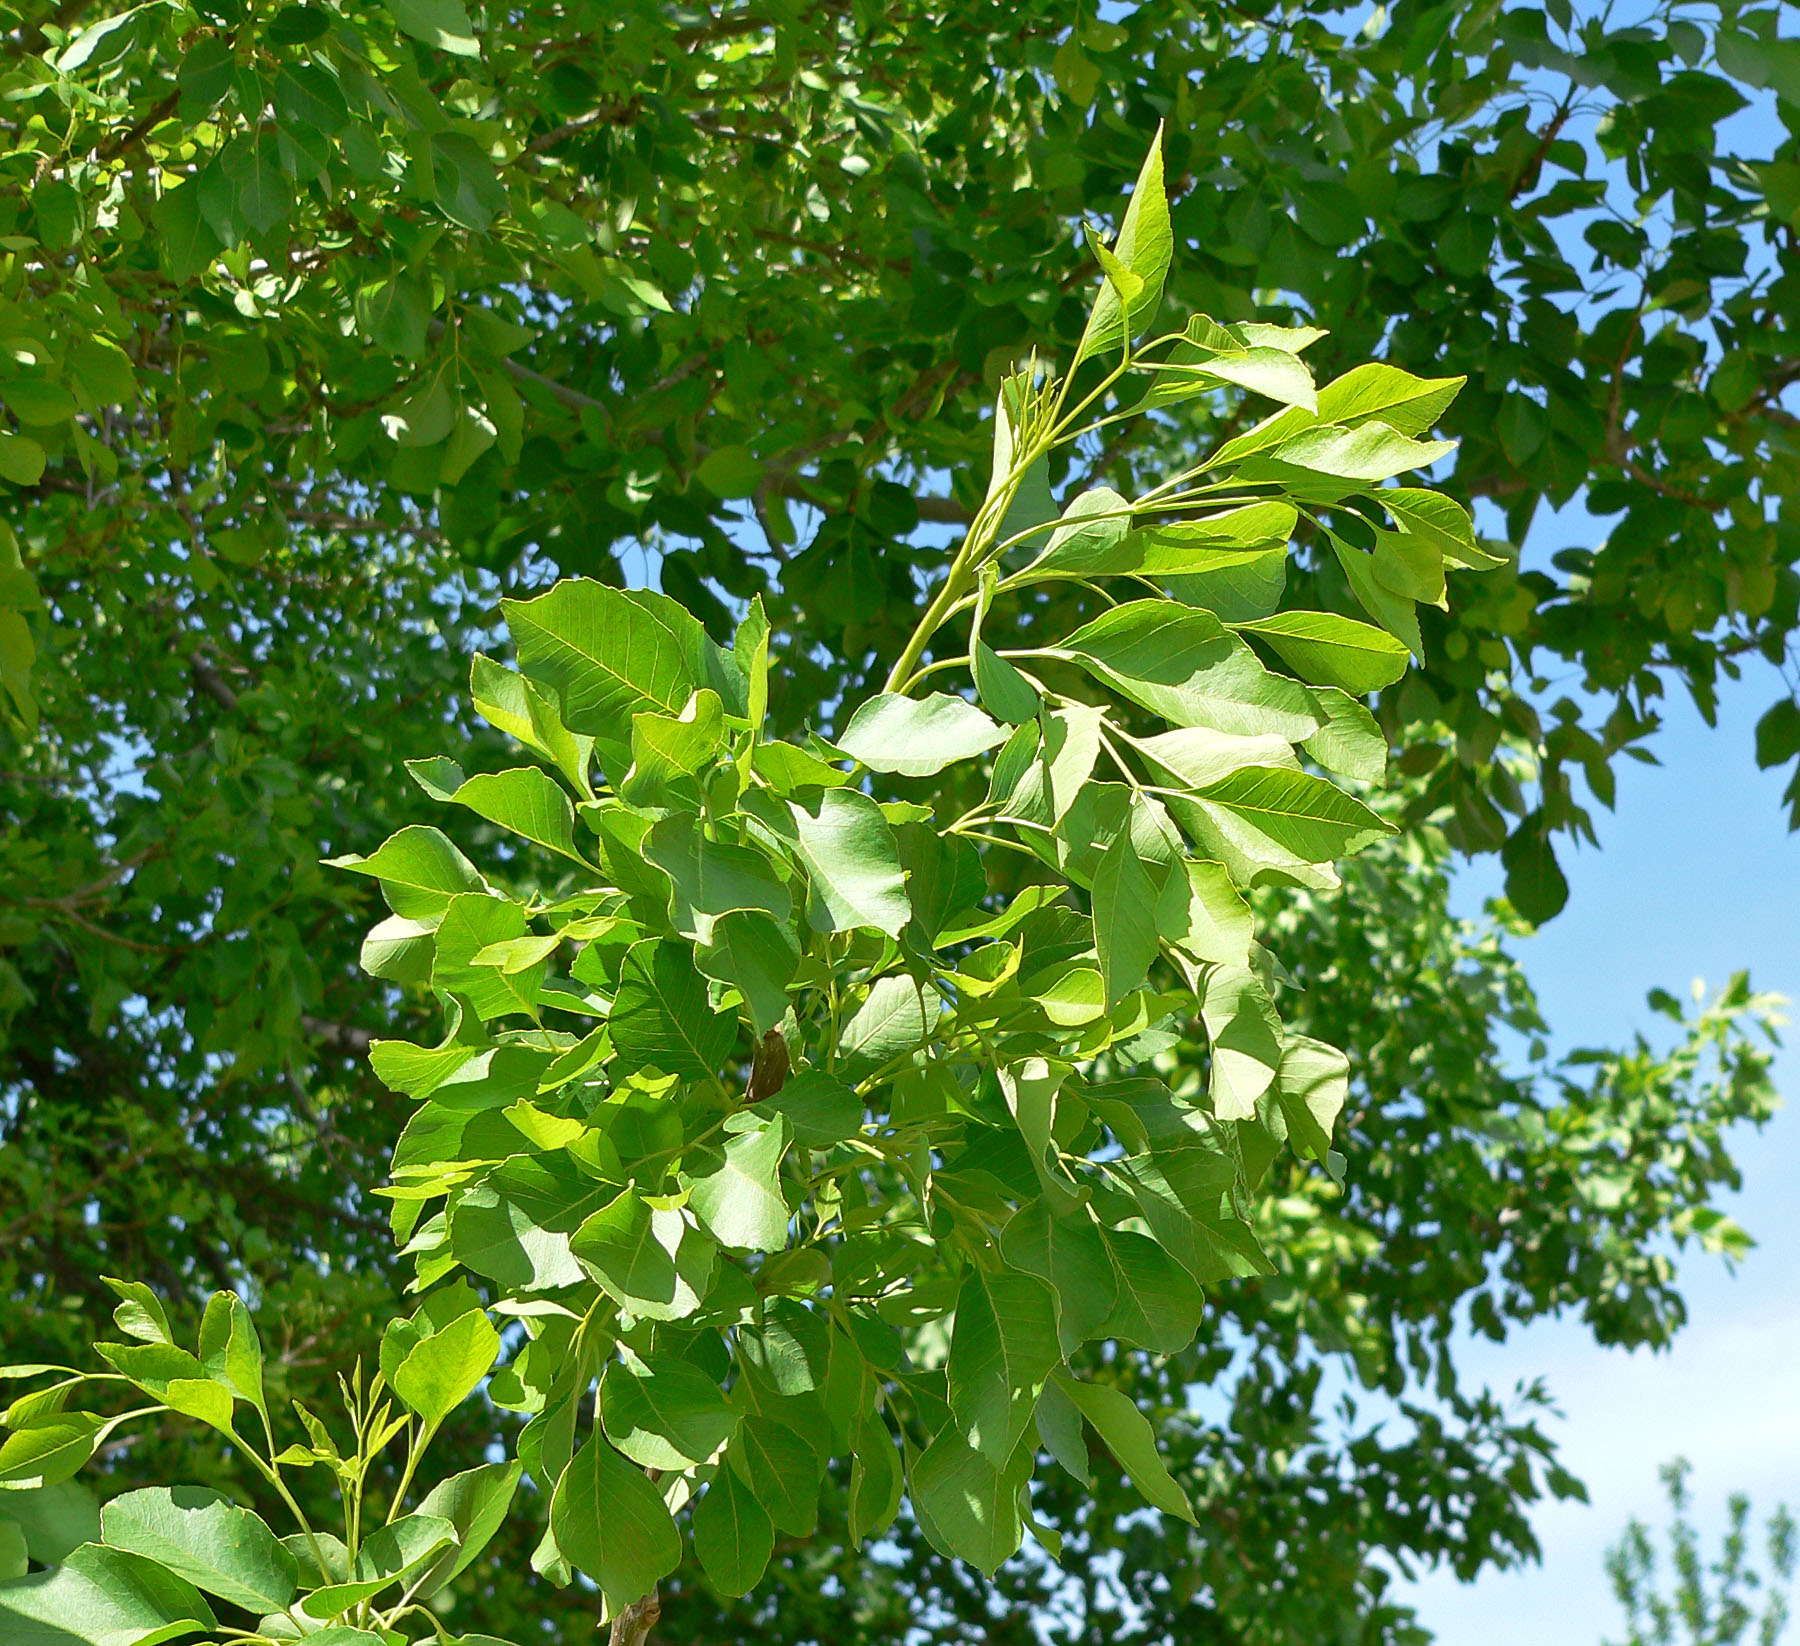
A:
(967, 1505)
(612, 1524)
(1131, 1441)
(711, 878)
(737, 1194)
(1246, 1040)
(102, 1597)
(651, 1262)
(1069, 1253)
(206, 1539)
(1003, 1347)
(1157, 1305)
(733, 1535)
(665, 1413)
(1125, 931)
(1349, 743)
(1311, 1084)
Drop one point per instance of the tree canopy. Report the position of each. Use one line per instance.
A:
(330, 326)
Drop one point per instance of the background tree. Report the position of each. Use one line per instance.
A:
(330, 325)
(1712, 1604)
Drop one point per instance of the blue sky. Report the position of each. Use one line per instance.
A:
(1696, 877)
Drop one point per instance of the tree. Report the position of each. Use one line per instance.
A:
(833, 1132)
(222, 606)
(1712, 1605)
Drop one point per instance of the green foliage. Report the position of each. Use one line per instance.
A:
(548, 303)
(579, 1147)
(161, 1563)
(1712, 1604)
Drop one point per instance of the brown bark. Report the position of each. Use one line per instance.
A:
(633, 1625)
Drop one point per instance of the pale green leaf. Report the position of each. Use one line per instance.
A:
(1328, 650)
(1410, 404)
(1219, 927)
(652, 1263)
(441, 23)
(1246, 1040)
(475, 1503)
(441, 1371)
(1371, 451)
(527, 801)
(1311, 1084)
(230, 1350)
(1440, 522)
(517, 706)
(1145, 246)
(1185, 666)
(891, 1021)
(851, 859)
(208, 1540)
(737, 1196)
(419, 870)
(101, 1597)
(918, 737)
(1302, 815)
(1349, 743)
(473, 922)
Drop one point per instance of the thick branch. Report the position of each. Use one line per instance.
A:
(210, 681)
(633, 1625)
(336, 1037)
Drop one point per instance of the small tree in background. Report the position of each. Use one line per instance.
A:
(1710, 1605)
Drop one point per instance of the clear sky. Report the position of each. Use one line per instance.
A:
(1697, 876)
